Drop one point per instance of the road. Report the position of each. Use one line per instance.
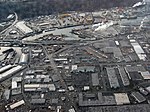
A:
(53, 65)
(95, 53)
(16, 20)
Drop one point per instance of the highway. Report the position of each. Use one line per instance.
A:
(16, 20)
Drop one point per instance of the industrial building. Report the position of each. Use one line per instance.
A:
(113, 80)
(24, 58)
(22, 27)
(17, 104)
(7, 67)
(36, 87)
(85, 69)
(10, 72)
(124, 76)
(121, 98)
(95, 79)
(138, 97)
(98, 99)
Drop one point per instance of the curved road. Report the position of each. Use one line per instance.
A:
(16, 20)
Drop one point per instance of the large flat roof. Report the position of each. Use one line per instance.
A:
(112, 77)
(25, 29)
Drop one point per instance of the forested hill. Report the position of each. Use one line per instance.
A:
(32, 8)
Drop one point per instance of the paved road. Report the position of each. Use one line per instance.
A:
(54, 66)
(16, 20)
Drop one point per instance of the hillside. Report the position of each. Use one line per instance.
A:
(32, 8)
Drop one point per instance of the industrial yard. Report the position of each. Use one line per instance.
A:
(77, 62)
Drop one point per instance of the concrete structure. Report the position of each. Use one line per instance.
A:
(121, 98)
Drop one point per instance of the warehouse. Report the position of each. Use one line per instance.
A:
(86, 99)
(22, 27)
(95, 79)
(112, 78)
(124, 76)
(10, 72)
(38, 101)
(138, 97)
(3, 69)
(138, 49)
(17, 104)
(51, 87)
(121, 98)
(86, 69)
(145, 75)
(134, 72)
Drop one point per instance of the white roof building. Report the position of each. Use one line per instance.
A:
(121, 98)
(22, 27)
(17, 104)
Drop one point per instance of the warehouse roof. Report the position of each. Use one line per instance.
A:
(25, 29)
(138, 96)
(124, 76)
(38, 101)
(112, 78)
(95, 79)
(121, 98)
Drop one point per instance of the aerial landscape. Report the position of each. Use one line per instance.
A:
(74, 55)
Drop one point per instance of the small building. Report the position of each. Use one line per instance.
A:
(143, 91)
(24, 58)
(95, 79)
(148, 89)
(72, 110)
(86, 88)
(55, 78)
(145, 75)
(71, 88)
(38, 101)
(7, 94)
(86, 69)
